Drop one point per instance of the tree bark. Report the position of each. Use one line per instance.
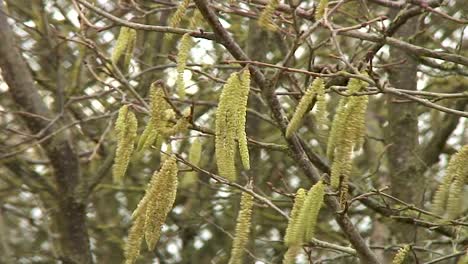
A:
(406, 178)
(69, 212)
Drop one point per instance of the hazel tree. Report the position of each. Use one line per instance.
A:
(253, 131)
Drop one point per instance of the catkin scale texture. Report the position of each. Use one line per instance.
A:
(230, 124)
(316, 88)
(242, 229)
(126, 127)
(448, 197)
(152, 210)
(347, 132)
(265, 19)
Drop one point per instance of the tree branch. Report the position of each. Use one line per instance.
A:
(70, 215)
(363, 251)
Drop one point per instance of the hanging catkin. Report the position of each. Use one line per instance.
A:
(242, 114)
(176, 18)
(152, 210)
(304, 215)
(124, 46)
(347, 131)
(291, 254)
(184, 50)
(292, 235)
(265, 19)
(401, 255)
(162, 193)
(320, 11)
(135, 237)
(316, 88)
(230, 124)
(161, 123)
(242, 229)
(310, 210)
(126, 127)
(449, 195)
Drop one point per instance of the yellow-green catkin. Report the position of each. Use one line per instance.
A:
(177, 17)
(292, 235)
(449, 195)
(320, 11)
(158, 105)
(197, 20)
(184, 50)
(301, 226)
(152, 210)
(194, 158)
(242, 229)
(321, 112)
(161, 124)
(148, 137)
(401, 255)
(230, 125)
(124, 46)
(310, 210)
(135, 237)
(347, 132)
(242, 114)
(315, 88)
(162, 194)
(126, 127)
(265, 19)
(291, 254)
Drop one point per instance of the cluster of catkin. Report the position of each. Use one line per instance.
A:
(123, 50)
(230, 124)
(265, 19)
(448, 197)
(347, 132)
(315, 91)
(401, 255)
(126, 127)
(162, 122)
(242, 229)
(303, 220)
(152, 210)
(185, 45)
